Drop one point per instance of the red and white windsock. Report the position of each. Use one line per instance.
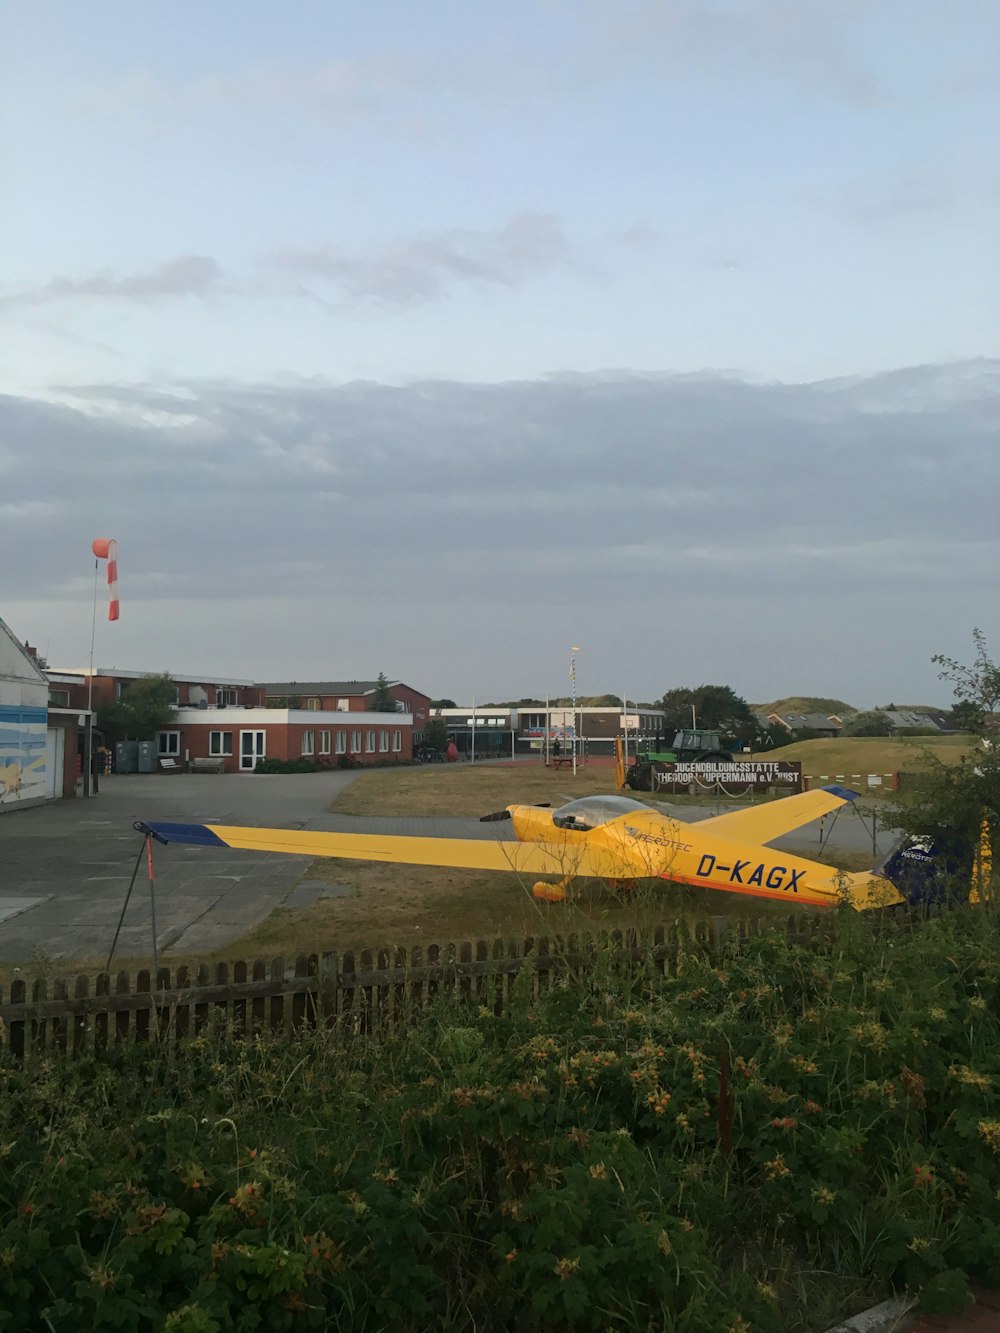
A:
(106, 548)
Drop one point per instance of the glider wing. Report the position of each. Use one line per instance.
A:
(535, 858)
(762, 823)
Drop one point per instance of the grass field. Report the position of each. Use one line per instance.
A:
(467, 790)
(873, 754)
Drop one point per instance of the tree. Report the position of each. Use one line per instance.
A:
(443, 703)
(954, 801)
(871, 723)
(977, 687)
(436, 735)
(716, 708)
(383, 701)
(143, 709)
(967, 716)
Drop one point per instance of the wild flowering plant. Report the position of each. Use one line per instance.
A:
(624, 1150)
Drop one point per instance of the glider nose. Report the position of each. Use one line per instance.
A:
(507, 813)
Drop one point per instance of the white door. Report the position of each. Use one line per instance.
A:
(55, 743)
(252, 748)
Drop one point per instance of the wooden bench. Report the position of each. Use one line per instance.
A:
(208, 766)
(170, 766)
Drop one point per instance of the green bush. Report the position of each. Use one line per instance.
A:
(287, 766)
(623, 1151)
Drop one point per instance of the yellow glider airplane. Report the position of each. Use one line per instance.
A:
(604, 837)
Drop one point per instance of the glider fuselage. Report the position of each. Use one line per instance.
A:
(642, 843)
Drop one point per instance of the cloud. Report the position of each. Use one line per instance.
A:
(186, 275)
(817, 46)
(877, 201)
(702, 527)
(410, 272)
(338, 90)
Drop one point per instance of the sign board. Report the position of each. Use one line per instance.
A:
(734, 778)
(874, 779)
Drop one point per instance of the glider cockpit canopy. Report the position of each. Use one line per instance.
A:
(590, 812)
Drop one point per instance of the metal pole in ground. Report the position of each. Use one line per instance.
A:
(88, 745)
(128, 895)
(152, 900)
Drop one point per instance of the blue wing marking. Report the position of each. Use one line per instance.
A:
(200, 835)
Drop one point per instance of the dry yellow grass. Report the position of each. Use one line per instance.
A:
(406, 905)
(847, 756)
(467, 790)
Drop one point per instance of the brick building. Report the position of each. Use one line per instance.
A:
(228, 719)
(348, 696)
(241, 736)
(68, 688)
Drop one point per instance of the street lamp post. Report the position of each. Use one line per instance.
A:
(572, 675)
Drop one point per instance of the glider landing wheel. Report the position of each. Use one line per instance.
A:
(549, 893)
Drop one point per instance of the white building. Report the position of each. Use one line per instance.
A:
(28, 772)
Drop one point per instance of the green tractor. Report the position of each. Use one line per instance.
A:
(689, 746)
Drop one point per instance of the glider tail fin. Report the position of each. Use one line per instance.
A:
(927, 871)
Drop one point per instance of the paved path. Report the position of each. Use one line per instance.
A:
(65, 867)
(983, 1317)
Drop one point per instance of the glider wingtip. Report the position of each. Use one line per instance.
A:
(844, 793)
(199, 834)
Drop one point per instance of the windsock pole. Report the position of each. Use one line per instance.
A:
(88, 748)
(104, 548)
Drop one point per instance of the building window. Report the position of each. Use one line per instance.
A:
(383, 742)
(370, 741)
(220, 742)
(341, 742)
(355, 742)
(308, 742)
(324, 742)
(343, 705)
(312, 705)
(168, 743)
(58, 698)
(224, 698)
(397, 741)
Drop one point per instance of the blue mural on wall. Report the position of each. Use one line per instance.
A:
(22, 753)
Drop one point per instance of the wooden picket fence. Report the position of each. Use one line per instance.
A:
(356, 992)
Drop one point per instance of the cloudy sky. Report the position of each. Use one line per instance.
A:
(437, 339)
